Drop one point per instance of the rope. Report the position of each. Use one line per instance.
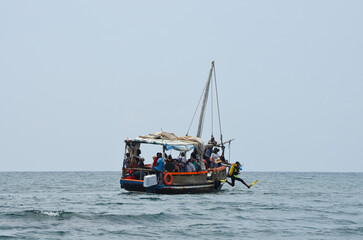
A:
(229, 151)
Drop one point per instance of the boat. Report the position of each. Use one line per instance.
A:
(204, 179)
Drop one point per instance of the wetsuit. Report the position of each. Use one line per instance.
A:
(233, 172)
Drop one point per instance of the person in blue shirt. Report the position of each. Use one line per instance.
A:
(159, 166)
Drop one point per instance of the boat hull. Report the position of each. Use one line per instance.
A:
(181, 189)
(183, 183)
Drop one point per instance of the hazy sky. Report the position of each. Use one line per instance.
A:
(79, 77)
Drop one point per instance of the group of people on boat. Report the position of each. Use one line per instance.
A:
(180, 164)
(137, 168)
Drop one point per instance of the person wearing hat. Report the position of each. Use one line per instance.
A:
(233, 172)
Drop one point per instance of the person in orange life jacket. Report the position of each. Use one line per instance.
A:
(233, 172)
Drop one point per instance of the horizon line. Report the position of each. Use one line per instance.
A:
(266, 171)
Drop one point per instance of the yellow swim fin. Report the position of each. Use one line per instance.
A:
(222, 180)
(253, 183)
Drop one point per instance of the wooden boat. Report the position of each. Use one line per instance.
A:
(182, 183)
(144, 179)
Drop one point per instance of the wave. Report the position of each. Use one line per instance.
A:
(151, 198)
(135, 218)
(51, 213)
(109, 203)
(120, 218)
(38, 213)
(351, 230)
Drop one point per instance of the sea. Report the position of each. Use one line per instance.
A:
(91, 205)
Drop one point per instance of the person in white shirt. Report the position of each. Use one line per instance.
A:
(190, 166)
(182, 161)
(214, 157)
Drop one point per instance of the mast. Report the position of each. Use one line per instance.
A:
(205, 99)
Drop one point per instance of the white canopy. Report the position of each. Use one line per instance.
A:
(171, 141)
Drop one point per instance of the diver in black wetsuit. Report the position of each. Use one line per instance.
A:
(233, 172)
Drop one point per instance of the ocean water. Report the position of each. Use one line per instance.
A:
(91, 205)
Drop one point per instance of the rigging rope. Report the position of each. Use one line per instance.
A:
(229, 151)
(219, 115)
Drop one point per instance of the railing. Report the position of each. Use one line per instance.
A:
(146, 171)
(142, 171)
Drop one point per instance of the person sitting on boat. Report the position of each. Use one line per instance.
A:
(183, 162)
(219, 162)
(208, 150)
(194, 154)
(141, 163)
(194, 159)
(159, 167)
(196, 165)
(177, 166)
(212, 141)
(137, 173)
(190, 166)
(133, 163)
(127, 160)
(207, 161)
(233, 172)
(169, 165)
(209, 147)
(214, 157)
(138, 153)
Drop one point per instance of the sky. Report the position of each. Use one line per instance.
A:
(77, 78)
